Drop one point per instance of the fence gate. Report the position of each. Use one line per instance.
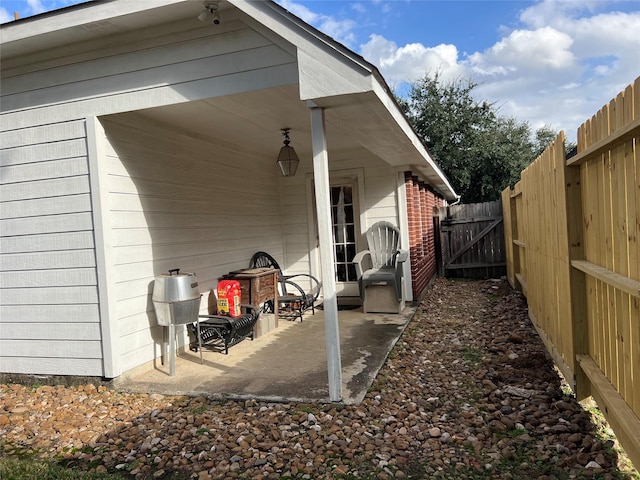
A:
(471, 240)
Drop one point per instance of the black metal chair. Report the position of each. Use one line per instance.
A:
(293, 300)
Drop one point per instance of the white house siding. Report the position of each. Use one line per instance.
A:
(179, 202)
(49, 316)
(380, 200)
(167, 67)
(381, 195)
(293, 254)
(192, 217)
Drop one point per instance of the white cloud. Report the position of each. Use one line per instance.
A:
(359, 8)
(339, 29)
(412, 61)
(526, 51)
(300, 10)
(5, 16)
(557, 12)
(600, 49)
(606, 34)
(558, 68)
(36, 6)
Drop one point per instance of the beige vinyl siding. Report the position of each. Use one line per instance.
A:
(381, 198)
(174, 202)
(153, 68)
(48, 284)
(293, 255)
(168, 202)
(73, 314)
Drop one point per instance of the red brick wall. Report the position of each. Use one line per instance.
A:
(421, 201)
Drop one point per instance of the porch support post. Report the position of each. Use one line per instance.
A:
(323, 208)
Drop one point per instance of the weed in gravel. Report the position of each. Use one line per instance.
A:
(511, 433)
(471, 355)
(493, 298)
(304, 410)
(200, 409)
(29, 468)
(605, 433)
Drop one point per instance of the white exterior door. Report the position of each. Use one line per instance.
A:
(346, 188)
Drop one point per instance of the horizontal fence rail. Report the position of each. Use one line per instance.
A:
(572, 241)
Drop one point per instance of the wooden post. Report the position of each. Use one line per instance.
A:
(510, 251)
(323, 205)
(508, 236)
(578, 286)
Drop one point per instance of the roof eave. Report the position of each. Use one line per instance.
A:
(383, 92)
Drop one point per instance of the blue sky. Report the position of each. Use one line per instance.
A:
(547, 62)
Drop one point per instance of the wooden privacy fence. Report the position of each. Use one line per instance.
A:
(572, 229)
(471, 240)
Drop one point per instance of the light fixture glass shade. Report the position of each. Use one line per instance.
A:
(288, 161)
(287, 158)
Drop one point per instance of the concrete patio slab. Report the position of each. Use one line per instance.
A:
(288, 364)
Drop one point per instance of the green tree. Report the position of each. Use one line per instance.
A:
(544, 136)
(504, 149)
(480, 151)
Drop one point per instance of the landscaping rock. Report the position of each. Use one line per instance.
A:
(469, 392)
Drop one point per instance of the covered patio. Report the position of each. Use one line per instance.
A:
(288, 364)
(144, 141)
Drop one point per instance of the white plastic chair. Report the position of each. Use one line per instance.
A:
(381, 264)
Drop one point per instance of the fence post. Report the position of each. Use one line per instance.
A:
(507, 215)
(577, 280)
(515, 235)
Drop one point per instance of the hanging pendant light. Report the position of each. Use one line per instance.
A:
(287, 158)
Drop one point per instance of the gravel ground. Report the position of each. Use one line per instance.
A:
(467, 393)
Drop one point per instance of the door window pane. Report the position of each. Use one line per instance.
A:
(341, 273)
(344, 232)
(351, 251)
